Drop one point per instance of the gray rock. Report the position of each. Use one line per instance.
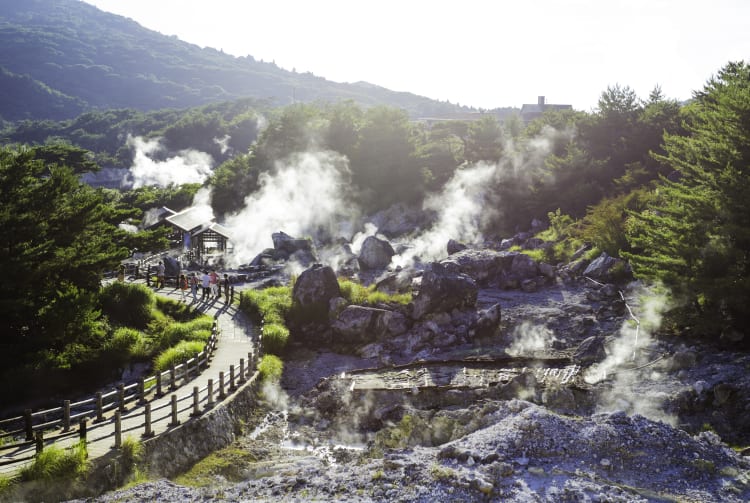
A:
(600, 267)
(483, 266)
(442, 291)
(591, 350)
(315, 288)
(376, 253)
(359, 324)
(455, 247)
(285, 243)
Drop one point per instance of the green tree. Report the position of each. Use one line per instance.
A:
(695, 237)
(484, 141)
(59, 236)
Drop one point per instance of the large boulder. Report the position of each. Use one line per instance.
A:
(289, 245)
(376, 253)
(455, 246)
(443, 291)
(591, 350)
(359, 324)
(315, 288)
(488, 322)
(484, 266)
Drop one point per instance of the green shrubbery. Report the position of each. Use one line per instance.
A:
(54, 463)
(177, 354)
(356, 293)
(129, 304)
(271, 305)
(270, 368)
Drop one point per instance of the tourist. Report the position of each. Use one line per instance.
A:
(194, 286)
(206, 285)
(214, 282)
(160, 271)
(183, 287)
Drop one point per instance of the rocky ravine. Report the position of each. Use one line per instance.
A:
(505, 381)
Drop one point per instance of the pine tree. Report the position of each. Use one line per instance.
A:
(695, 237)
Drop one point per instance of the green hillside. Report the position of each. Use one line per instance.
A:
(59, 58)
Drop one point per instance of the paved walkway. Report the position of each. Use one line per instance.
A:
(237, 337)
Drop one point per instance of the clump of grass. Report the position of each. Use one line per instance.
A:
(228, 463)
(129, 304)
(180, 353)
(198, 329)
(270, 368)
(356, 293)
(5, 484)
(55, 463)
(270, 304)
(275, 337)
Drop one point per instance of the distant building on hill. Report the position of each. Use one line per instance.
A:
(500, 114)
(532, 111)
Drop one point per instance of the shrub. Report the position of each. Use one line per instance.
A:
(130, 304)
(132, 453)
(196, 330)
(270, 304)
(54, 462)
(275, 337)
(175, 309)
(270, 368)
(177, 354)
(355, 293)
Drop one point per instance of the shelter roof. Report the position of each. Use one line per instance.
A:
(190, 219)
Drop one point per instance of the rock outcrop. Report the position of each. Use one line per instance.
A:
(315, 288)
(375, 253)
(442, 291)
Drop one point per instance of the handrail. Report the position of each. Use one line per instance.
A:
(118, 398)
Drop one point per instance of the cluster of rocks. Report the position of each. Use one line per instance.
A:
(495, 451)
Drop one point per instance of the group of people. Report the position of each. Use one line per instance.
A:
(209, 282)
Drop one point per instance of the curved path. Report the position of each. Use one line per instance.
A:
(237, 338)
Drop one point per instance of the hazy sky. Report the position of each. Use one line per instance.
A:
(483, 53)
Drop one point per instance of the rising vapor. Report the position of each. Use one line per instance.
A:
(189, 166)
(305, 196)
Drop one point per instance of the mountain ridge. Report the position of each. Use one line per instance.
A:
(66, 57)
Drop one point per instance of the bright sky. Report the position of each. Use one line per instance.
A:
(482, 53)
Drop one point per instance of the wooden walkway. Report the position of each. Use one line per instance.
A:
(237, 339)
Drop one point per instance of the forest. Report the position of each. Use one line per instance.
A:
(662, 184)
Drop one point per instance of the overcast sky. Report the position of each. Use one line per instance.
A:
(482, 53)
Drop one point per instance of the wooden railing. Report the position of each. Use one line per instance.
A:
(44, 427)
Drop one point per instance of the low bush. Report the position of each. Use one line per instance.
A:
(270, 304)
(270, 368)
(129, 304)
(54, 463)
(275, 337)
(356, 293)
(180, 353)
(196, 330)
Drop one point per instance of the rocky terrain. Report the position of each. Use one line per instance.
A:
(504, 380)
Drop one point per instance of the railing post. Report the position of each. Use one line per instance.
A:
(231, 378)
(66, 415)
(222, 394)
(141, 391)
(82, 429)
(249, 363)
(210, 402)
(99, 407)
(148, 276)
(231, 290)
(175, 421)
(172, 379)
(39, 441)
(147, 421)
(196, 401)
(242, 371)
(121, 397)
(28, 424)
(159, 391)
(118, 429)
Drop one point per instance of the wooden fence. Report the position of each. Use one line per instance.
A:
(23, 436)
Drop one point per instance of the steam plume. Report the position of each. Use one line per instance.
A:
(305, 196)
(189, 166)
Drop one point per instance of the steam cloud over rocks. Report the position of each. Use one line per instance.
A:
(306, 195)
(189, 166)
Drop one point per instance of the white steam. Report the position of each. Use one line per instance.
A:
(468, 201)
(305, 195)
(529, 338)
(189, 166)
(627, 364)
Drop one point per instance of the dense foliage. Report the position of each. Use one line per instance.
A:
(695, 234)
